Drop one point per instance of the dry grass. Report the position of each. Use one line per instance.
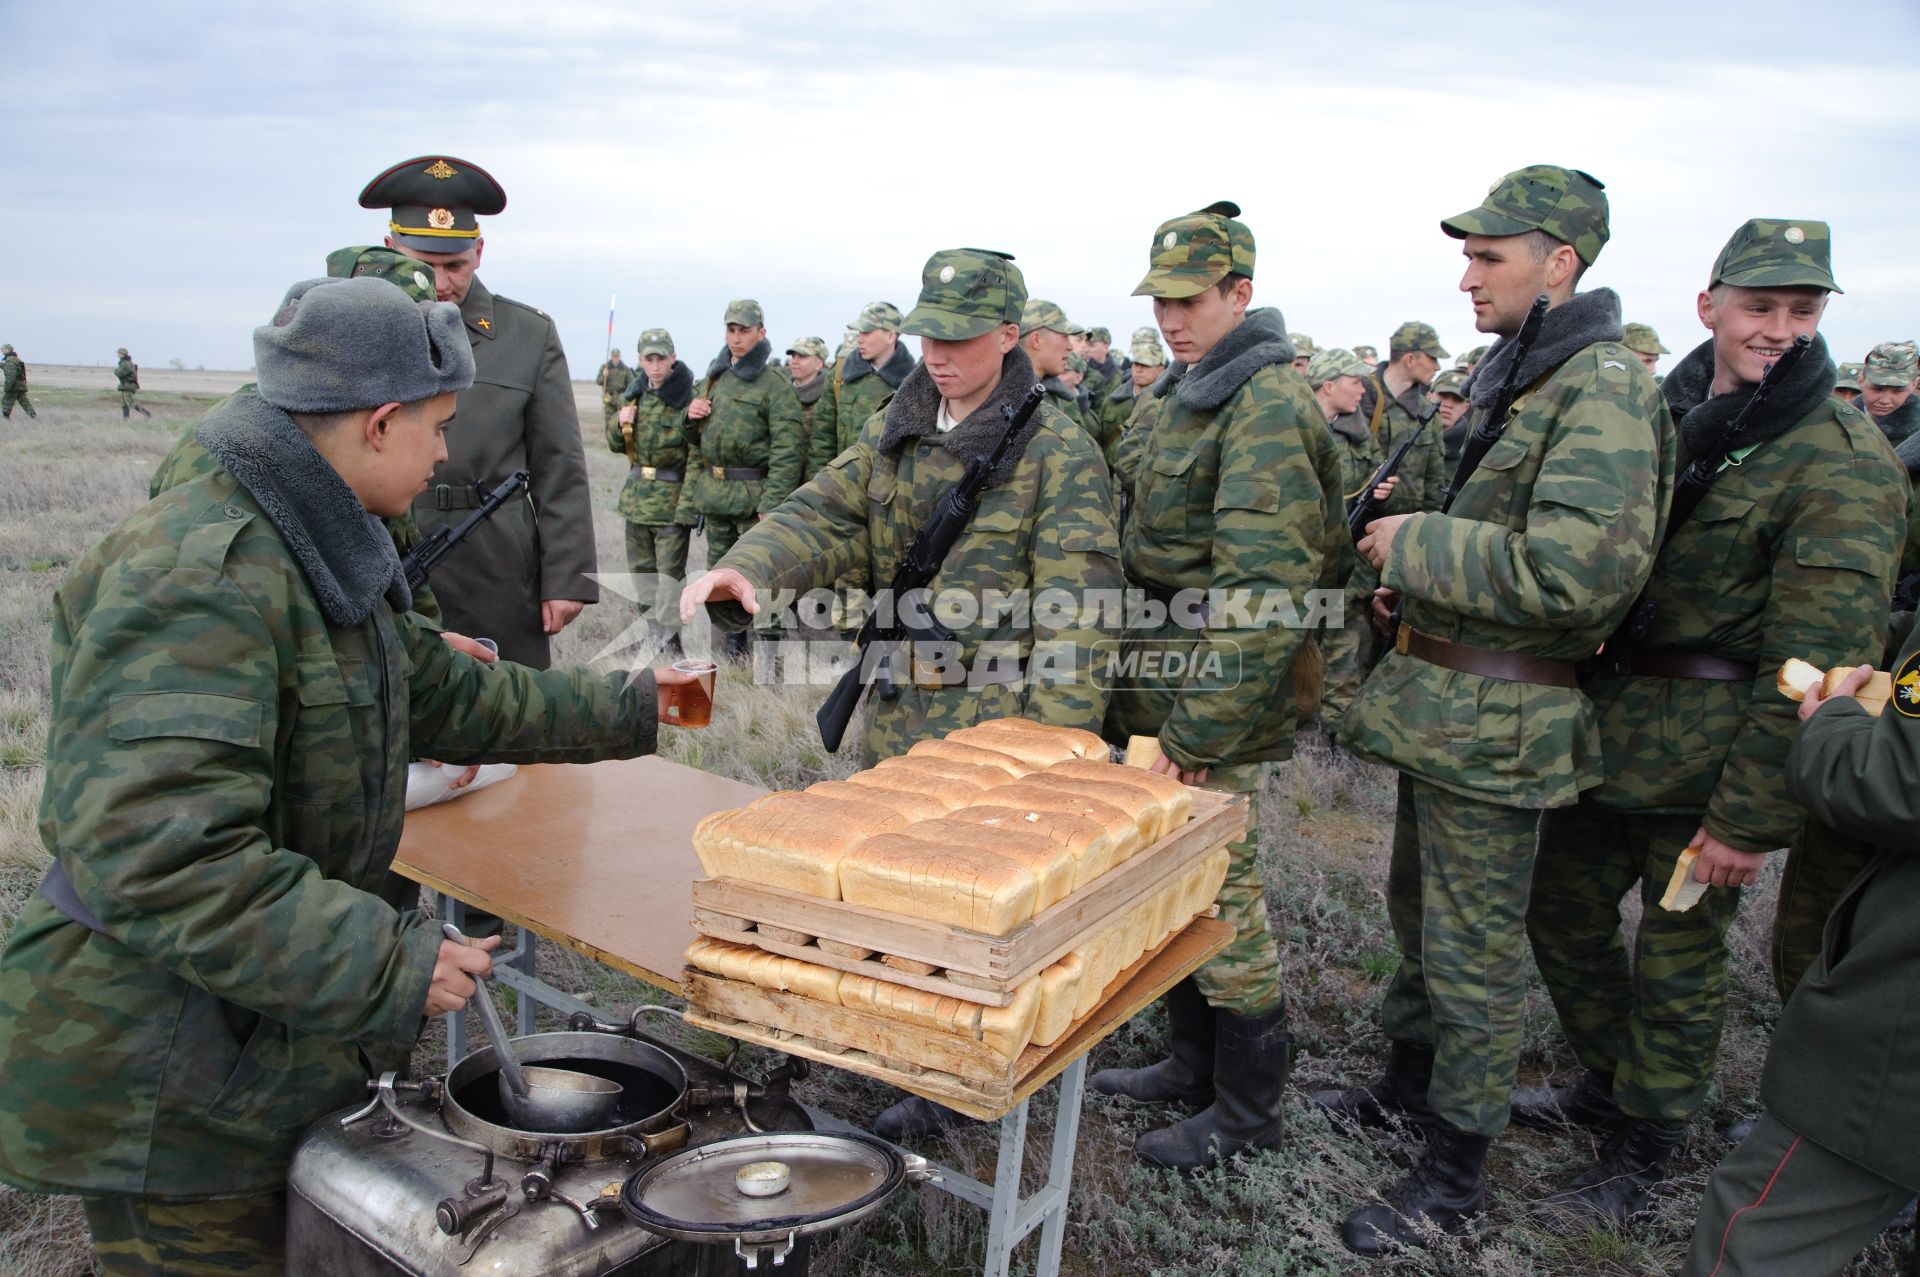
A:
(70, 476)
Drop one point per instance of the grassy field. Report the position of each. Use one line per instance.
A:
(68, 477)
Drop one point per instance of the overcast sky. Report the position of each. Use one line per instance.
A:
(170, 168)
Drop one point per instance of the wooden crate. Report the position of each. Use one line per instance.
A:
(949, 960)
(947, 1068)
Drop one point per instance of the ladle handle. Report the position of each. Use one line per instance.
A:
(490, 1021)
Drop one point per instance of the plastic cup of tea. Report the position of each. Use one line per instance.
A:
(690, 704)
(489, 644)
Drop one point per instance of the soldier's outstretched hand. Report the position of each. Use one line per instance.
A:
(720, 583)
(454, 971)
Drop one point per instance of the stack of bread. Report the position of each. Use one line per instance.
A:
(982, 830)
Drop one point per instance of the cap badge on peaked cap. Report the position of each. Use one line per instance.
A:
(440, 169)
(441, 219)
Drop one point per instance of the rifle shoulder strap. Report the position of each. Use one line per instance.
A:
(1379, 388)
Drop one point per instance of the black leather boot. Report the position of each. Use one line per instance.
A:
(1252, 1056)
(914, 1119)
(1588, 1103)
(1400, 1092)
(1445, 1189)
(1631, 1169)
(1186, 1075)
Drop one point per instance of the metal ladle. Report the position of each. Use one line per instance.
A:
(537, 1098)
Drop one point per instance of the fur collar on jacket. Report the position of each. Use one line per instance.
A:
(676, 392)
(916, 408)
(1583, 320)
(1702, 415)
(751, 364)
(893, 372)
(1261, 339)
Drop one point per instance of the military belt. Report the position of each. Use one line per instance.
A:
(661, 475)
(927, 676)
(453, 496)
(1721, 669)
(737, 472)
(1511, 666)
(1165, 596)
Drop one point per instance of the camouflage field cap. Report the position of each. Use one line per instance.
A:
(1101, 335)
(1450, 381)
(1642, 340)
(881, 317)
(1302, 344)
(1414, 335)
(1193, 253)
(121, 351)
(1077, 362)
(746, 312)
(1040, 314)
(965, 292)
(1333, 362)
(815, 346)
(6, 349)
(1847, 377)
(1566, 203)
(1772, 252)
(1146, 349)
(1472, 357)
(415, 278)
(1891, 363)
(654, 341)
(1366, 355)
(433, 199)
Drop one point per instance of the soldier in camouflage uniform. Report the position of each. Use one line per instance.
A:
(807, 370)
(1368, 356)
(127, 374)
(13, 383)
(1337, 379)
(651, 431)
(613, 379)
(749, 431)
(1044, 524)
(1468, 362)
(1303, 351)
(207, 967)
(1236, 510)
(1643, 341)
(1847, 384)
(1478, 705)
(862, 381)
(1790, 554)
(1103, 373)
(1044, 333)
(1146, 361)
(1887, 389)
(1449, 394)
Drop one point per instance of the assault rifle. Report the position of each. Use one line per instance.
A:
(1487, 431)
(443, 540)
(1693, 483)
(916, 571)
(1366, 507)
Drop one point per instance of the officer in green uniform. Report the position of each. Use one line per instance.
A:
(207, 968)
(1643, 341)
(1887, 389)
(127, 374)
(749, 448)
(1236, 511)
(1790, 553)
(651, 432)
(525, 574)
(1449, 395)
(13, 383)
(1044, 333)
(807, 370)
(613, 379)
(1834, 1158)
(1478, 704)
(1337, 378)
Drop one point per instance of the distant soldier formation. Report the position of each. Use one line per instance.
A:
(1545, 585)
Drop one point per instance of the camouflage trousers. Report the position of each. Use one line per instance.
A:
(1651, 1024)
(1457, 888)
(127, 404)
(659, 550)
(12, 397)
(1245, 977)
(1820, 865)
(153, 1237)
(1352, 649)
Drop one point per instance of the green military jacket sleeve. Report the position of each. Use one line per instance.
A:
(1790, 554)
(1544, 551)
(1242, 502)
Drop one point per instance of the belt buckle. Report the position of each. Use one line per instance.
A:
(647, 472)
(1401, 637)
(441, 495)
(719, 472)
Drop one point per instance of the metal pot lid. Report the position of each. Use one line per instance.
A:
(697, 1194)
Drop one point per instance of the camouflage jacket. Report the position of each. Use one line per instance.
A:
(755, 423)
(658, 437)
(1101, 380)
(1790, 553)
(1114, 409)
(1045, 526)
(1359, 454)
(1544, 551)
(816, 416)
(1237, 493)
(187, 461)
(1067, 400)
(127, 373)
(1390, 419)
(613, 380)
(858, 390)
(13, 374)
(226, 769)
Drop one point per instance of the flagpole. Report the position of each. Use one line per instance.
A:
(610, 301)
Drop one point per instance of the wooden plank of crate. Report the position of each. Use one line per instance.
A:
(845, 1026)
(939, 943)
(996, 994)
